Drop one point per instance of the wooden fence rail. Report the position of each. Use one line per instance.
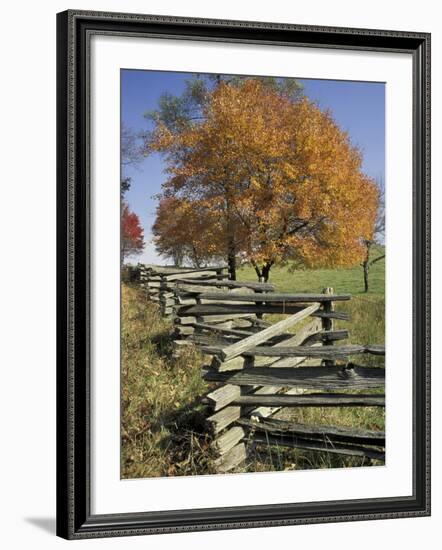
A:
(258, 368)
(258, 376)
(160, 282)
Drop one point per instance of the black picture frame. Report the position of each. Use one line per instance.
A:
(74, 518)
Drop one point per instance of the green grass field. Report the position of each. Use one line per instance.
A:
(162, 421)
(346, 281)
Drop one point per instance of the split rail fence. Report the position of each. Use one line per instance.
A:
(259, 368)
(160, 282)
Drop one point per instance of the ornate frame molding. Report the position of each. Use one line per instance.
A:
(74, 29)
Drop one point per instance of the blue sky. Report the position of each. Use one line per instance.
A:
(357, 107)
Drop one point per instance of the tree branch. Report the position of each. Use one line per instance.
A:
(377, 259)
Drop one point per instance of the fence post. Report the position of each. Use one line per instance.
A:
(259, 315)
(327, 324)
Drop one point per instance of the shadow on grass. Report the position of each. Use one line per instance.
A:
(163, 342)
(188, 441)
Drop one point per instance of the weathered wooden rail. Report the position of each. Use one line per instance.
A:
(329, 378)
(291, 363)
(258, 368)
(160, 282)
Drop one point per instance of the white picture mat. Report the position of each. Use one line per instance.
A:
(109, 493)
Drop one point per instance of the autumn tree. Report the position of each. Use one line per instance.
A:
(167, 231)
(187, 232)
(278, 176)
(178, 113)
(377, 238)
(132, 238)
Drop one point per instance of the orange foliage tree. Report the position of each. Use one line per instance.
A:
(187, 231)
(132, 237)
(270, 178)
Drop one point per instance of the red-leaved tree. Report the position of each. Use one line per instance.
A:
(132, 237)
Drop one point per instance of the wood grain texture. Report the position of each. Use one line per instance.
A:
(187, 320)
(335, 352)
(219, 309)
(223, 396)
(203, 274)
(215, 328)
(227, 415)
(240, 362)
(276, 297)
(231, 459)
(223, 418)
(229, 439)
(326, 336)
(277, 427)
(312, 445)
(265, 287)
(236, 349)
(311, 400)
(326, 378)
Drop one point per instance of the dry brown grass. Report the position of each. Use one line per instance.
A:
(162, 430)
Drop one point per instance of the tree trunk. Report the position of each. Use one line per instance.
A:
(231, 245)
(196, 261)
(177, 257)
(366, 269)
(366, 264)
(264, 272)
(231, 261)
(258, 272)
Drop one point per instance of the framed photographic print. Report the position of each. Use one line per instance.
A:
(243, 274)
